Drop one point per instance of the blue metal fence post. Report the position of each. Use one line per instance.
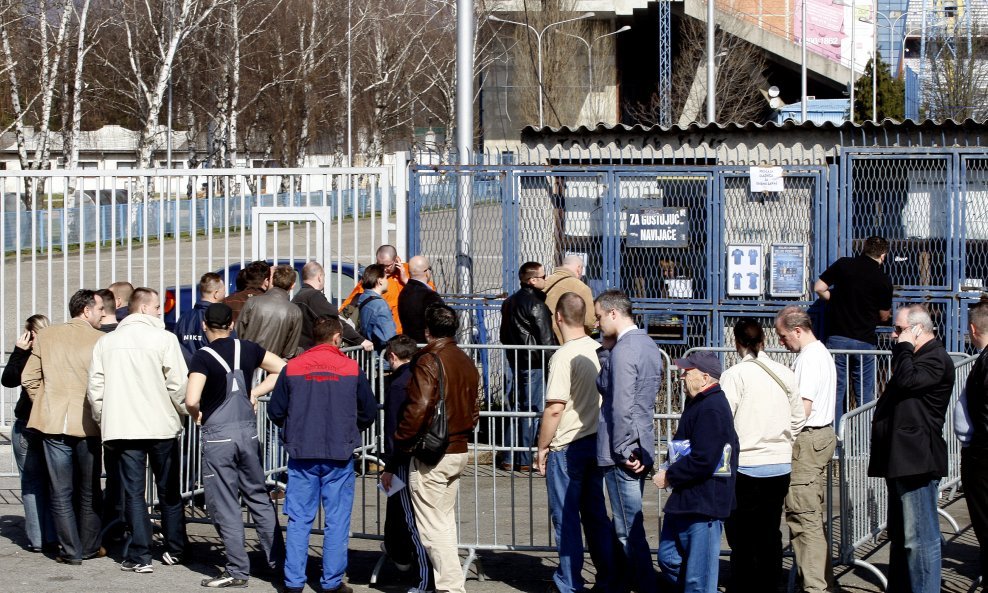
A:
(831, 230)
(611, 228)
(414, 211)
(510, 222)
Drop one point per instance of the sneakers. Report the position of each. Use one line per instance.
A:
(129, 566)
(171, 559)
(223, 581)
(401, 567)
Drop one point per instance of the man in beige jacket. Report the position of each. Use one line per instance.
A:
(55, 378)
(137, 391)
(569, 278)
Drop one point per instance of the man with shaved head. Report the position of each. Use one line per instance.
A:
(568, 278)
(417, 296)
(121, 293)
(312, 301)
(397, 274)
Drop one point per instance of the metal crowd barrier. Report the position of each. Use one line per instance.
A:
(864, 500)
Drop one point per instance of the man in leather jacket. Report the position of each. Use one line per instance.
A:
(526, 321)
(272, 319)
(441, 364)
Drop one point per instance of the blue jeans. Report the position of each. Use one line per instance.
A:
(29, 453)
(76, 497)
(914, 535)
(163, 456)
(576, 495)
(692, 540)
(624, 489)
(861, 370)
(310, 481)
(529, 396)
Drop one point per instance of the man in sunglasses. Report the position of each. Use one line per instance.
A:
(909, 451)
(526, 321)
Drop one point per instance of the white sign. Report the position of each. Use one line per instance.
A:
(764, 179)
(745, 268)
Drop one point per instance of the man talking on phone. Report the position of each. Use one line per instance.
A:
(630, 368)
(909, 451)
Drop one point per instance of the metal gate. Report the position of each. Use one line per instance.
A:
(679, 287)
(165, 228)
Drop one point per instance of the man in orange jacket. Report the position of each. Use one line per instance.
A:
(397, 274)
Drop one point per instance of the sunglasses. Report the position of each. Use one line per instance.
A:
(898, 329)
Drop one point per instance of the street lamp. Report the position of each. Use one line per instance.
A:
(854, 19)
(590, 50)
(892, 24)
(538, 40)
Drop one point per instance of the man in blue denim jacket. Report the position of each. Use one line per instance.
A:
(630, 371)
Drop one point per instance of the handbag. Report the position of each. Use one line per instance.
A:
(431, 445)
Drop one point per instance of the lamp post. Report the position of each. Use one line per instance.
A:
(590, 50)
(802, 65)
(892, 24)
(538, 40)
(854, 20)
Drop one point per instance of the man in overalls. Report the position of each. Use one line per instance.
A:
(219, 398)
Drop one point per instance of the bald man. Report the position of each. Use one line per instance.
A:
(312, 301)
(416, 298)
(397, 274)
(568, 278)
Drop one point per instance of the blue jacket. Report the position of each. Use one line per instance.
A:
(188, 329)
(629, 380)
(376, 322)
(708, 424)
(322, 400)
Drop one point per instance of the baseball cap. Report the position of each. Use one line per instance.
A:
(218, 315)
(705, 362)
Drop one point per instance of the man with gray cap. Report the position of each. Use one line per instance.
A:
(701, 472)
(218, 397)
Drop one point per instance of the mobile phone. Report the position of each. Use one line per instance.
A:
(916, 330)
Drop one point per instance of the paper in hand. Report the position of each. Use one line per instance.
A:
(396, 485)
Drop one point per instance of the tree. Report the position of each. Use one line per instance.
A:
(152, 35)
(957, 87)
(739, 74)
(40, 32)
(890, 94)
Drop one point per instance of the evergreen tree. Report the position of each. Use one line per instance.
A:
(890, 94)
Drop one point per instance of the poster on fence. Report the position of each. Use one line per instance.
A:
(787, 269)
(744, 270)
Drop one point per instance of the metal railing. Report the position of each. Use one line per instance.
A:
(864, 499)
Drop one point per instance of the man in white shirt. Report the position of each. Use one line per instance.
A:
(567, 453)
(813, 450)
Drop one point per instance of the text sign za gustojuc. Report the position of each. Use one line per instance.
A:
(658, 227)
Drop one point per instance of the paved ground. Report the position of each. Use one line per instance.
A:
(505, 570)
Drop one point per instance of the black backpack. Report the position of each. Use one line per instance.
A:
(351, 313)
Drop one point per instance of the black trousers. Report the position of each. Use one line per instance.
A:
(401, 536)
(753, 534)
(974, 475)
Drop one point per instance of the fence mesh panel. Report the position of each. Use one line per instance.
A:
(660, 272)
(906, 200)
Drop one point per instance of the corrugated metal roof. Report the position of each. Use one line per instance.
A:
(530, 133)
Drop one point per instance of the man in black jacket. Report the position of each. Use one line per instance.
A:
(416, 298)
(314, 305)
(526, 321)
(908, 449)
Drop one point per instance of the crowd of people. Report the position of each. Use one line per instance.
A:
(109, 389)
